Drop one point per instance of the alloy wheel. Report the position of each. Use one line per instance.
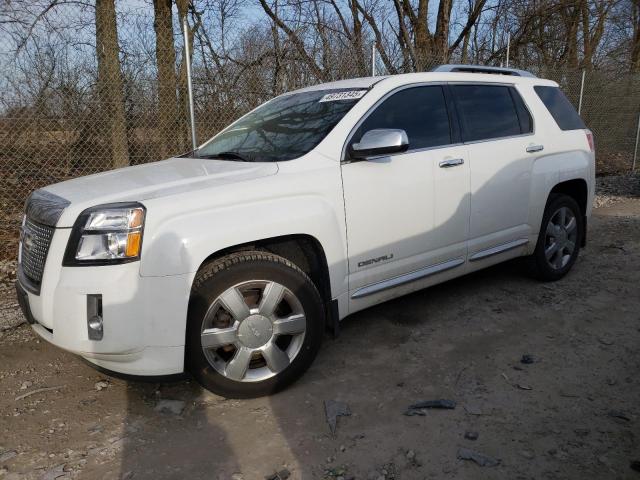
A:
(560, 238)
(253, 331)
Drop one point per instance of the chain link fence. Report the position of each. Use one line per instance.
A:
(67, 110)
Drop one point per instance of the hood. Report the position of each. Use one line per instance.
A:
(152, 180)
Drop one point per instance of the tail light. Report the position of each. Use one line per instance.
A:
(592, 144)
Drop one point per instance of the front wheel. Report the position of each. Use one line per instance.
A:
(559, 239)
(255, 324)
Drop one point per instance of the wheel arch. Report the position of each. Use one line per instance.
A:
(577, 189)
(303, 250)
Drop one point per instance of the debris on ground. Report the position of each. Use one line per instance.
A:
(38, 390)
(334, 409)
(527, 454)
(618, 414)
(338, 473)
(469, 435)
(479, 458)
(420, 407)
(528, 359)
(564, 394)
(523, 387)
(170, 406)
(8, 455)
(281, 475)
(101, 385)
(474, 409)
(55, 472)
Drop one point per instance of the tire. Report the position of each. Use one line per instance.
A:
(563, 257)
(237, 352)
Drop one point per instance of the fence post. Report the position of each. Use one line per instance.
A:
(373, 59)
(508, 49)
(192, 118)
(635, 149)
(581, 92)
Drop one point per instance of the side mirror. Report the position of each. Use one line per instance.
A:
(381, 141)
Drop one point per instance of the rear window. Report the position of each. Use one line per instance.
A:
(487, 111)
(560, 108)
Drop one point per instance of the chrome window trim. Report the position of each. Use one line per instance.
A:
(406, 278)
(507, 137)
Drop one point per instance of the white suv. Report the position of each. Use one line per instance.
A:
(231, 261)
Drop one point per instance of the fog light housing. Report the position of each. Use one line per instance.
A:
(95, 327)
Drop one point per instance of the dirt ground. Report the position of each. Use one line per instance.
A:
(572, 413)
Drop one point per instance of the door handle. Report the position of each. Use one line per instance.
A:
(451, 162)
(535, 148)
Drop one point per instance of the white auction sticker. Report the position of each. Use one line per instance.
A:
(347, 95)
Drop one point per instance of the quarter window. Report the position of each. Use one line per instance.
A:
(560, 108)
(487, 111)
(420, 111)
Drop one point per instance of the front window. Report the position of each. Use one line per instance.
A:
(287, 127)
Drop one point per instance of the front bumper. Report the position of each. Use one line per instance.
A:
(144, 318)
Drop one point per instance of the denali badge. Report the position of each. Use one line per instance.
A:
(383, 258)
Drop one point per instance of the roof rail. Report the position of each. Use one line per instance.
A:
(483, 69)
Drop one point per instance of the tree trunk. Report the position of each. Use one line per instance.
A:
(421, 33)
(110, 87)
(357, 39)
(635, 41)
(166, 65)
(464, 58)
(571, 15)
(441, 37)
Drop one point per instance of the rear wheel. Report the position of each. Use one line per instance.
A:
(255, 324)
(559, 239)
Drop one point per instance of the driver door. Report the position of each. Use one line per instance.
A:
(407, 213)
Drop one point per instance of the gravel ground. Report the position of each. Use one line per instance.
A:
(569, 411)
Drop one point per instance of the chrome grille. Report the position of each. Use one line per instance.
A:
(34, 246)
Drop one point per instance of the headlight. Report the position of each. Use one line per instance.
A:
(106, 234)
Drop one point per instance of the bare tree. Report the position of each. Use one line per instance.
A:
(635, 39)
(110, 88)
(166, 66)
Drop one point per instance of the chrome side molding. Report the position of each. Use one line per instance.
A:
(489, 252)
(407, 278)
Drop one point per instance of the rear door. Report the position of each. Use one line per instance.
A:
(498, 131)
(408, 211)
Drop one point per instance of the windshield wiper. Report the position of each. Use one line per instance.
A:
(227, 155)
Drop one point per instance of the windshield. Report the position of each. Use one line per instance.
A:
(287, 127)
